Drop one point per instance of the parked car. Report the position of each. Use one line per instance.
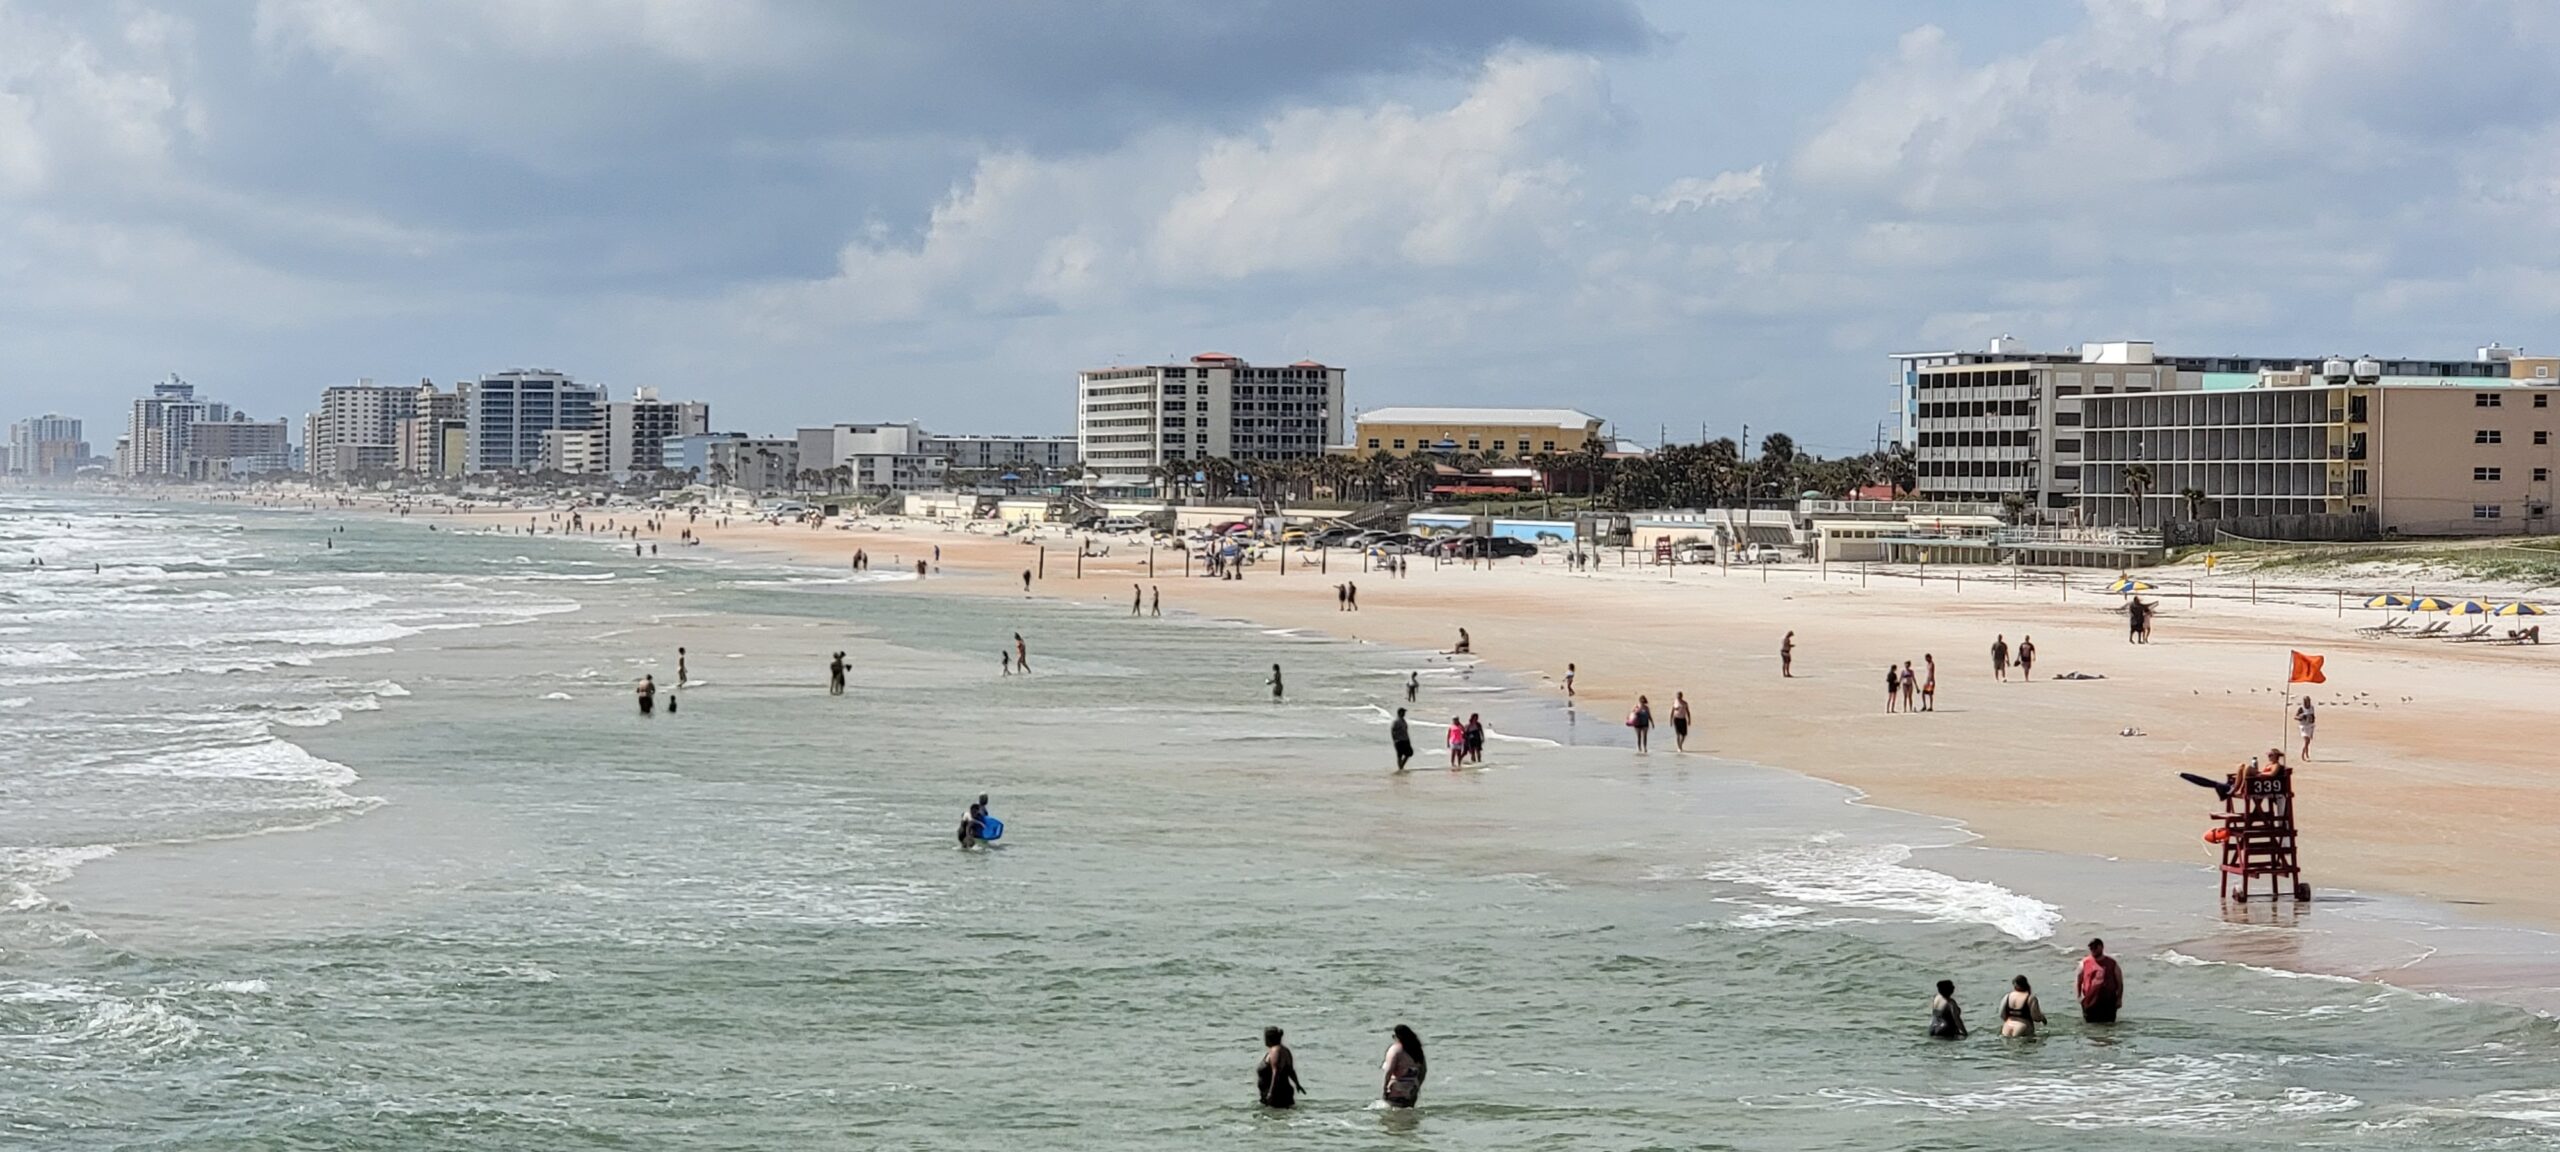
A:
(1502, 546)
(1758, 554)
(1121, 524)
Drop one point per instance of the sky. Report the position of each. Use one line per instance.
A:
(1683, 217)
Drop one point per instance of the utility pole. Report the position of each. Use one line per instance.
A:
(1746, 442)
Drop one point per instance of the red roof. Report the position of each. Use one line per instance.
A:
(1221, 356)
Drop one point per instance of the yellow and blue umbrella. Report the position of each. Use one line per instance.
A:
(2520, 608)
(2430, 604)
(2471, 608)
(2127, 586)
(2388, 601)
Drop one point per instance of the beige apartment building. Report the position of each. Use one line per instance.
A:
(2444, 456)
(1517, 433)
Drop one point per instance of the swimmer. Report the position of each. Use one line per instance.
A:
(648, 694)
(1412, 686)
(1404, 1069)
(1679, 721)
(1276, 1076)
(1276, 690)
(1402, 737)
(1946, 1020)
(1021, 655)
(2019, 1012)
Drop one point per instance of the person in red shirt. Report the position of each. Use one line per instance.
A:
(2101, 985)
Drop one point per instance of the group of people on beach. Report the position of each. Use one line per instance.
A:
(2100, 986)
(1275, 1075)
(1908, 691)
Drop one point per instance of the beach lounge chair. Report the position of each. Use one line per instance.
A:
(2385, 628)
(2476, 632)
(2434, 629)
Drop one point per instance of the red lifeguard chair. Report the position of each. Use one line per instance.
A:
(2258, 838)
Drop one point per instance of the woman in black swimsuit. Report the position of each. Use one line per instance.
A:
(1275, 1078)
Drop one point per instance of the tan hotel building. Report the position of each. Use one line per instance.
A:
(2441, 456)
(1517, 433)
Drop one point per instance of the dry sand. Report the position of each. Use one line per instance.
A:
(2433, 774)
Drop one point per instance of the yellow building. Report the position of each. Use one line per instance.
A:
(1517, 433)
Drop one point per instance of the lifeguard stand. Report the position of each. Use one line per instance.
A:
(2258, 839)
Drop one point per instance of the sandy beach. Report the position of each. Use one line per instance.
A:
(2427, 778)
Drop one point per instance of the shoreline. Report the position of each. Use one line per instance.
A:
(1934, 778)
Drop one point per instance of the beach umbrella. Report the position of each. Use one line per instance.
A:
(2471, 608)
(2389, 602)
(2430, 604)
(2520, 608)
(2127, 586)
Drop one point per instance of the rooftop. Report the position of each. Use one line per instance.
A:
(1568, 418)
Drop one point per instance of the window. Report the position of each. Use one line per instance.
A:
(2488, 436)
(2541, 399)
(1550, 446)
(2486, 475)
(1399, 445)
(1373, 444)
(2485, 400)
(1524, 446)
(1474, 445)
(2541, 475)
(2541, 438)
(2488, 511)
(2066, 445)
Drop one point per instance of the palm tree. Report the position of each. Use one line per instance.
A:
(2194, 498)
(2137, 482)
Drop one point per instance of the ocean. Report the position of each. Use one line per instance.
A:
(330, 831)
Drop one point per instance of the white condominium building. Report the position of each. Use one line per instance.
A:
(357, 429)
(1130, 421)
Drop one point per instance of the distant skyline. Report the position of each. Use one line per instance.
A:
(1662, 213)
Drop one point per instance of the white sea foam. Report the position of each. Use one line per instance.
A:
(25, 870)
(555, 696)
(2203, 1093)
(39, 656)
(17, 701)
(2179, 959)
(1876, 876)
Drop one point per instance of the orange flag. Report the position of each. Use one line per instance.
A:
(2306, 669)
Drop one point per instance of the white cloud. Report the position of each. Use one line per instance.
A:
(1309, 192)
(1692, 193)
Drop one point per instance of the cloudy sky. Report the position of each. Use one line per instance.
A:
(1666, 213)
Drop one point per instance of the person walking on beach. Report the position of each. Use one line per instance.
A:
(835, 675)
(1404, 1069)
(1412, 686)
(1351, 594)
(1910, 689)
(1787, 657)
(1457, 743)
(2101, 985)
(2137, 621)
(2019, 1012)
(1946, 1020)
(2000, 656)
(1026, 581)
(648, 694)
(1642, 721)
(1679, 721)
(681, 677)
(1892, 687)
(1402, 737)
(1276, 690)
(1569, 671)
(1929, 686)
(1275, 1076)
(2305, 719)
(2026, 657)
(1006, 659)
(1137, 600)
(1155, 600)
(1475, 738)
(1021, 655)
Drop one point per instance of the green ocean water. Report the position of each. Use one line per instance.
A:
(353, 840)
